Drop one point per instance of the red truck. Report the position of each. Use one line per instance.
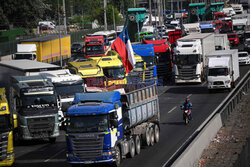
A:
(94, 46)
(233, 38)
(164, 60)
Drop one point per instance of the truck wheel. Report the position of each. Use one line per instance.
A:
(152, 136)
(157, 133)
(146, 137)
(52, 140)
(117, 157)
(132, 148)
(137, 144)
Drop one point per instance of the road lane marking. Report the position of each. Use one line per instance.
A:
(35, 161)
(203, 84)
(172, 109)
(189, 95)
(54, 155)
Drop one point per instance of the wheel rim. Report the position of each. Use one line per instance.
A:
(118, 156)
(138, 144)
(152, 137)
(157, 134)
(132, 148)
(148, 137)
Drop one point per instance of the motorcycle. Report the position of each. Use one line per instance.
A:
(186, 116)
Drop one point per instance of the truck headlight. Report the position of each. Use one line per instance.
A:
(227, 82)
(107, 153)
(3, 108)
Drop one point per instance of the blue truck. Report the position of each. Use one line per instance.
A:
(104, 127)
(207, 27)
(146, 51)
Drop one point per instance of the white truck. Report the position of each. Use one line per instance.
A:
(239, 26)
(192, 28)
(190, 57)
(238, 8)
(221, 42)
(222, 69)
(66, 86)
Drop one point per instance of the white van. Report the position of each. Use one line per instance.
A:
(47, 23)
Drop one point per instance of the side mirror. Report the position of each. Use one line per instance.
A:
(14, 121)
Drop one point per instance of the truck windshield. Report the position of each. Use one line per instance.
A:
(187, 59)
(38, 101)
(149, 60)
(5, 123)
(24, 56)
(207, 30)
(114, 73)
(218, 72)
(84, 124)
(139, 65)
(247, 35)
(94, 49)
(239, 27)
(69, 89)
(243, 55)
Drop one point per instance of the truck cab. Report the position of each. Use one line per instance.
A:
(207, 27)
(94, 46)
(25, 51)
(6, 132)
(34, 100)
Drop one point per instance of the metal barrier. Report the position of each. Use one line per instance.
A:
(218, 116)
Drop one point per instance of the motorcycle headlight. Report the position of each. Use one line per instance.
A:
(227, 82)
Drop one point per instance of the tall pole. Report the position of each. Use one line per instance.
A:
(113, 17)
(105, 15)
(59, 23)
(159, 11)
(150, 13)
(164, 7)
(171, 6)
(64, 17)
(134, 4)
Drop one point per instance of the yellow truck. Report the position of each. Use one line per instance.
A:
(6, 132)
(112, 69)
(137, 75)
(47, 49)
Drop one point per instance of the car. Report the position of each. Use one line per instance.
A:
(44, 27)
(244, 58)
(233, 38)
(77, 48)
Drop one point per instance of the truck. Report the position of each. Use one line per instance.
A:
(221, 42)
(239, 26)
(164, 59)
(27, 93)
(196, 11)
(94, 46)
(105, 127)
(207, 27)
(190, 57)
(6, 132)
(191, 28)
(47, 49)
(238, 8)
(66, 85)
(146, 51)
(222, 69)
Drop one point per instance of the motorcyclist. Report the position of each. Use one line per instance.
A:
(187, 105)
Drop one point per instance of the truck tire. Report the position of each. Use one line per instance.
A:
(131, 148)
(137, 144)
(157, 133)
(152, 136)
(146, 137)
(117, 157)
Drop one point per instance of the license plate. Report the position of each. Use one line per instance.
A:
(88, 162)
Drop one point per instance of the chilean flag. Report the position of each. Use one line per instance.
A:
(124, 48)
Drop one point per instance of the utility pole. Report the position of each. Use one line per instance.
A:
(150, 13)
(159, 11)
(113, 17)
(171, 6)
(60, 50)
(105, 15)
(134, 4)
(64, 17)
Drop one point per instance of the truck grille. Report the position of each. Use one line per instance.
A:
(218, 83)
(187, 73)
(41, 127)
(163, 70)
(3, 145)
(149, 73)
(87, 146)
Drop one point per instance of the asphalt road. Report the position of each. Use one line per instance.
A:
(173, 131)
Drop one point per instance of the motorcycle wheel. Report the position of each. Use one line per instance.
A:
(186, 120)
